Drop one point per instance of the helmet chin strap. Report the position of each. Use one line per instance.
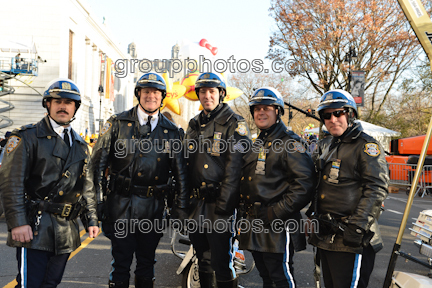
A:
(147, 111)
(210, 111)
(63, 123)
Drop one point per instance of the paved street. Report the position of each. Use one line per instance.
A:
(91, 265)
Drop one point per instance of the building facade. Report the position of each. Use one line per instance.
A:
(76, 46)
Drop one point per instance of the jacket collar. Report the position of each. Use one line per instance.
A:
(44, 128)
(132, 115)
(352, 133)
(222, 115)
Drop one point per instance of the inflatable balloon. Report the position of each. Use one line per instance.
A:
(174, 92)
(189, 83)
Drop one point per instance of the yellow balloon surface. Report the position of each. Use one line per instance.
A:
(189, 83)
(232, 93)
(174, 92)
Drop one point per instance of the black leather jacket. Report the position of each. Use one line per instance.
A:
(354, 192)
(219, 168)
(146, 160)
(287, 185)
(31, 170)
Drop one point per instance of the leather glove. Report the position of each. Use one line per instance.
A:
(353, 235)
(100, 211)
(266, 214)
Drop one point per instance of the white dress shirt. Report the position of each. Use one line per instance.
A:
(59, 130)
(142, 117)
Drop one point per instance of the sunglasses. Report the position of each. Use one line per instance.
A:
(337, 114)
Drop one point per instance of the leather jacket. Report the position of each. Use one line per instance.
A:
(36, 159)
(212, 164)
(353, 183)
(144, 159)
(286, 183)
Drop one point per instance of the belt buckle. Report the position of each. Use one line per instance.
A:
(66, 210)
(150, 191)
(197, 193)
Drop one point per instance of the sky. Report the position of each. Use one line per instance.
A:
(236, 27)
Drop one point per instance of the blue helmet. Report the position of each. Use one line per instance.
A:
(153, 80)
(267, 96)
(212, 80)
(62, 88)
(338, 99)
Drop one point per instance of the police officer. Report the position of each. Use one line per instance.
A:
(45, 186)
(137, 146)
(277, 182)
(216, 140)
(353, 182)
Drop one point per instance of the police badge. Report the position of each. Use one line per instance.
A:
(334, 171)
(217, 136)
(260, 167)
(152, 77)
(66, 86)
(12, 143)
(105, 128)
(241, 129)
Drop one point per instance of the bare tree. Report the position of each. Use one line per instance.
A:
(324, 30)
(297, 93)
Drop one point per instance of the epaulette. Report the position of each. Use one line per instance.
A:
(367, 137)
(26, 127)
(292, 135)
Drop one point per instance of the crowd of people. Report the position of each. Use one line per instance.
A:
(143, 165)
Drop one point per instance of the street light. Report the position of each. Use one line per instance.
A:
(352, 55)
(101, 91)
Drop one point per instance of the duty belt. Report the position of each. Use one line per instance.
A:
(209, 192)
(159, 191)
(122, 185)
(68, 211)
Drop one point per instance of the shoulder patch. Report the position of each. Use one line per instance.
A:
(12, 143)
(372, 149)
(106, 128)
(242, 129)
(299, 147)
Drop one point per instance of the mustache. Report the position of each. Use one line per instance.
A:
(62, 111)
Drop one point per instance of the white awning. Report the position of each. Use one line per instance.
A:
(15, 47)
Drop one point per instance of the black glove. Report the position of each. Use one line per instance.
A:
(266, 214)
(353, 235)
(100, 210)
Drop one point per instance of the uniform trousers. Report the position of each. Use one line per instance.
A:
(39, 269)
(142, 243)
(214, 251)
(276, 268)
(347, 270)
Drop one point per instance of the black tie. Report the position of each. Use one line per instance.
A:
(146, 129)
(149, 122)
(66, 137)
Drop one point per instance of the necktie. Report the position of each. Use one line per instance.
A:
(146, 128)
(66, 137)
(149, 122)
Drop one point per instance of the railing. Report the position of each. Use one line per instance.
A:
(27, 66)
(402, 174)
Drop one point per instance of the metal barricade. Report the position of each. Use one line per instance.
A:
(402, 174)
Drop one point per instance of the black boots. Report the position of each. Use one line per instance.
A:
(112, 284)
(207, 280)
(142, 282)
(228, 284)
